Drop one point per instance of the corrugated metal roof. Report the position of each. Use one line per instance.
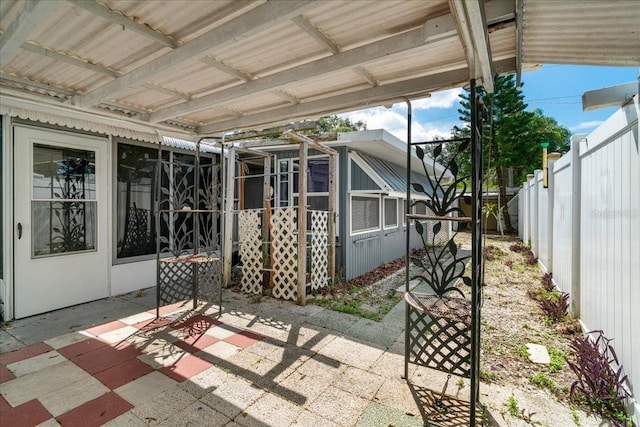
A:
(395, 175)
(205, 67)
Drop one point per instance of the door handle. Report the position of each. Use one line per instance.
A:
(19, 231)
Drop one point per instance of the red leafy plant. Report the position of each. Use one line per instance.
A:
(555, 306)
(601, 382)
(547, 282)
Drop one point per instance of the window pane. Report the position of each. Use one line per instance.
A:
(63, 227)
(63, 173)
(318, 176)
(135, 196)
(390, 212)
(365, 213)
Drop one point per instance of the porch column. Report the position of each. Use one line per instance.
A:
(228, 214)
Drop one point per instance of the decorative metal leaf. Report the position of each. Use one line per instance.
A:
(453, 248)
(437, 151)
(418, 187)
(420, 153)
(419, 227)
(466, 281)
(453, 167)
(436, 227)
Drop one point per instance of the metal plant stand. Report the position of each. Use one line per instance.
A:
(443, 322)
(188, 232)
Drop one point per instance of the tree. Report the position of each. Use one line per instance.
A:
(511, 135)
(334, 124)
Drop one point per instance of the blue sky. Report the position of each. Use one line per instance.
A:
(555, 89)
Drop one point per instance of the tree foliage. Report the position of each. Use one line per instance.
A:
(511, 135)
(335, 124)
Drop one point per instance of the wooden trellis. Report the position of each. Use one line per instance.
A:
(250, 248)
(285, 253)
(319, 241)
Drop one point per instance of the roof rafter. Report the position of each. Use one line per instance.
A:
(225, 68)
(121, 19)
(302, 22)
(365, 74)
(255, 20)
(351, 101)
(22, 26)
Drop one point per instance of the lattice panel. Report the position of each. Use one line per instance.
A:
(319, 252)
(439, 343)
(210, 280)
(284, 240)
(176, 282)
(250, 239)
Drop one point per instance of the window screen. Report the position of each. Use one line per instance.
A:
(365, 213)
(390, 212)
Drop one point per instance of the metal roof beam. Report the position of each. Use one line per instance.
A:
(370, 97)
(406, 41)
(118, 18)
(366, 75)
(226, 68)
(313, 31)
(255, 20)
(23, 25)
(480, 35)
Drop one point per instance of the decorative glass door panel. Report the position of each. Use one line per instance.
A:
(63, 201)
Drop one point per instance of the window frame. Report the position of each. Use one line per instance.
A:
(386, 226)
(353, 232)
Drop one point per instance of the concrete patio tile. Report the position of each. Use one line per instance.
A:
(302, 389)
(233, 396)
(333, 320)
(205, 382)
(339, 406)
(381, 334)
(222, 331)
(266, 347)
(137, 318)
(185, 368)
(35, 363)
(51, 422)
(194, 344)
(144, 388)
(307, 418)
(95, 412)
(105, 357)
(311, 338)
(105, 327)
(118, 335)
(361, 383)
(65, 340)
(30, 413)
(150, 344)
(73, 395)
(220, 350)
(390, 365)
(123, 373)
(126, 420)
(322, 368)
(24, 353)
(271, 410)
(291, 356)
(395, 393)
(166, 355)
(5, 375)
(244, 339)
(163, 405)
(194, 415)
(32, 386)
(78, 348)
(383, 416)
(352, 352)
(8, 342)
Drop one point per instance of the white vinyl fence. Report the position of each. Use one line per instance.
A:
(585, 229)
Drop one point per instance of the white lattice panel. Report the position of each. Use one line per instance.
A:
(250, 250)
(285, 253)
(319, 254)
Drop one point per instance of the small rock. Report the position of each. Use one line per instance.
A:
(538, 354)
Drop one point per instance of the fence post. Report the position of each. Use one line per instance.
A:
(551, 159)
(527, 232)
(576, 176)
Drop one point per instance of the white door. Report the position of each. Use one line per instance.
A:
(60, 223)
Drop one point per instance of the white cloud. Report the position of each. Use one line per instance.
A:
(443, 99)
(395, 122)
(586, 125)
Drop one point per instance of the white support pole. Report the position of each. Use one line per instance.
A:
(576, 175)
(228, 214)
(331, 226)
(551, 159)
(302, 223)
